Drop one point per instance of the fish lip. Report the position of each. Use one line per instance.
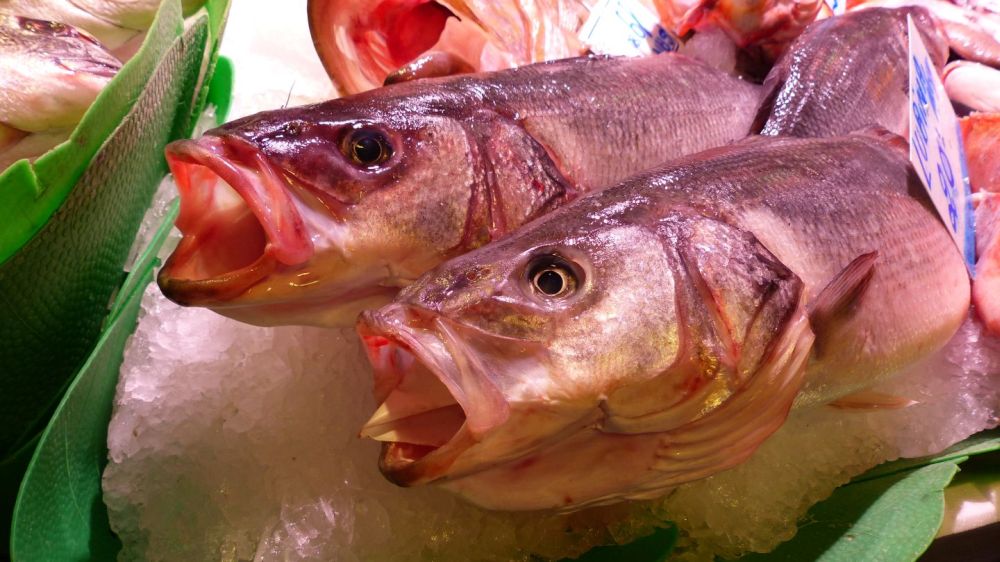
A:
(386, 327)
(262, 189)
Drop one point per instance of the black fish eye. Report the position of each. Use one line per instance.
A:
(552, 277)
(367, 148)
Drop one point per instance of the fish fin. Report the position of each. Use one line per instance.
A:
(886, 136)
(872, 400)
(986, 285)
(430, 65)
(836, 302)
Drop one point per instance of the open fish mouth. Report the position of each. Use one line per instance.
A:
(418, 415)
(430, 408)
(237, 218)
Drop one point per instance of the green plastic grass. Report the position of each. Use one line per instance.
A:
(59, 513)
(67, 222)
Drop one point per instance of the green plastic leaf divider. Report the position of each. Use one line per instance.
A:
(892, 518)
(59, 515)
(56, 291)
(981, 443)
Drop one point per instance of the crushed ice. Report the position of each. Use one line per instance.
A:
(232, 442)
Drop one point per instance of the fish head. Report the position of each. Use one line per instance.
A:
(528, 359)
(308, 215)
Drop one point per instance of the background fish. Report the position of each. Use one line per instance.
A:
(845, 73)
(308, 215)
(50, 73)
(360, 43)
(659, 331)
(117, 24)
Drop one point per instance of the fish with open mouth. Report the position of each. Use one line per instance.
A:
(309, 215)
(659, 331)
(847, 72)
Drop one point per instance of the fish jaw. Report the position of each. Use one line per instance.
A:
(237, 218)
(430, 411)
(447, 408)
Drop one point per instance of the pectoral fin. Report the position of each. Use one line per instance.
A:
(872, 400)
(836, 303)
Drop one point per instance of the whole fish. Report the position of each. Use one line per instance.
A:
(657, 332)
(310, 214)
(50, 73)
(847, 72)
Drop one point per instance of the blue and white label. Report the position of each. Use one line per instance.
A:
(625, 28)
(838, 7)
(936, 149)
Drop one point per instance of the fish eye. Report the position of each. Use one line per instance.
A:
(367, 148)
(552, 277)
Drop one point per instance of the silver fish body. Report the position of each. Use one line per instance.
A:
(659, 331)
(847, 72)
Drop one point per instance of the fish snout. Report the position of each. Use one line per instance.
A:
(434, 400)
(237, 219)
(418, 418)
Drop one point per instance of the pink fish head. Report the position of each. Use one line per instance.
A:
(306, 215)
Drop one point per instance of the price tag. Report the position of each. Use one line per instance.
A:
(625, 27)
(936, 149)
(838, 7)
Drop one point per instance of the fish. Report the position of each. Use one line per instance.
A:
(308, 215)
(847, 72)
(50, 73)
(361, 43)
(972, 32)
(973, 85)
(659, 331)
